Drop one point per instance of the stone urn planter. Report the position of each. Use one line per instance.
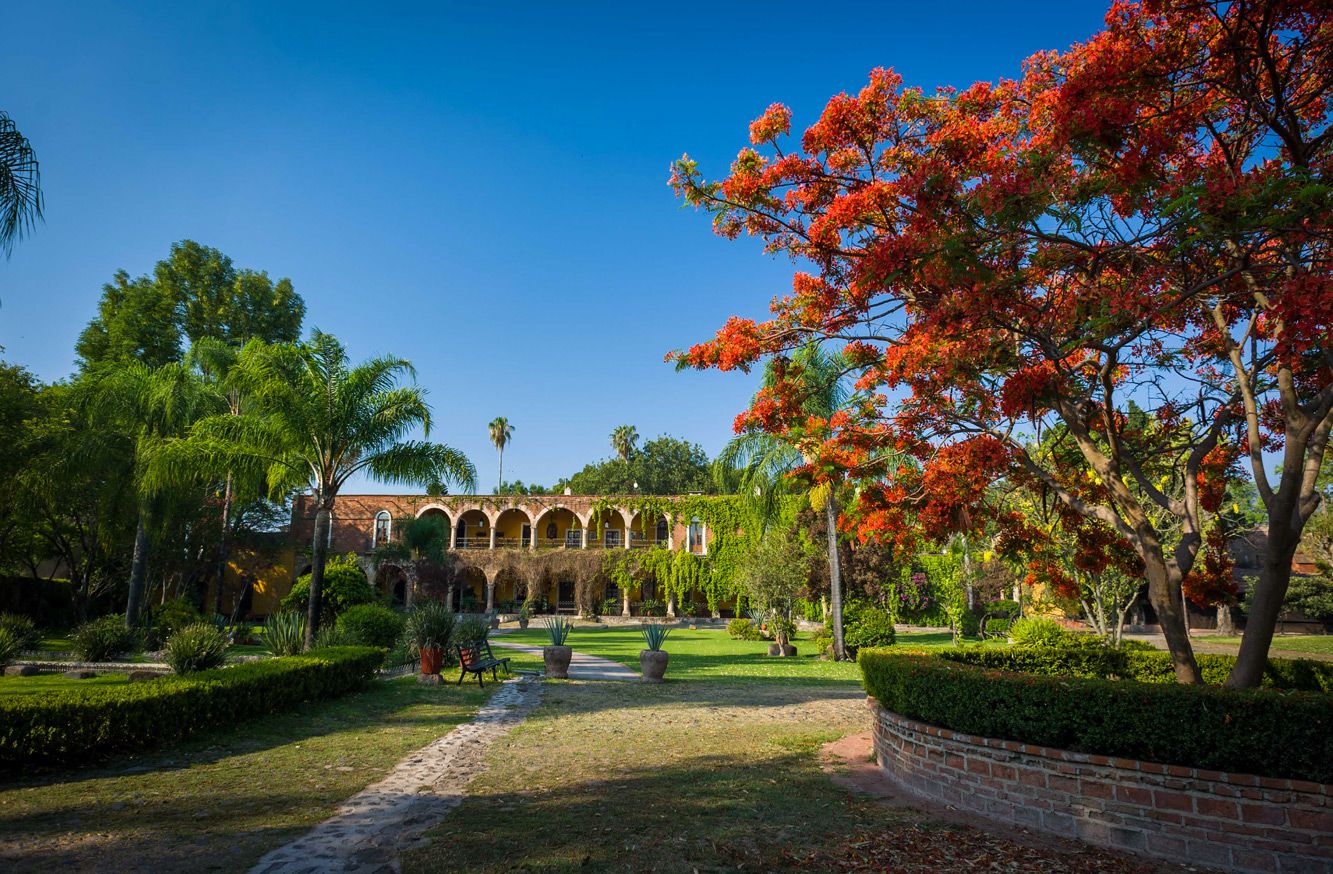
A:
(557, 661)
(432, 659)
(522, 622)
(653, 664)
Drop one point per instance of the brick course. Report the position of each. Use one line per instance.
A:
(1236, 822)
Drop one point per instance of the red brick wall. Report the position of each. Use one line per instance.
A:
(1236, 822)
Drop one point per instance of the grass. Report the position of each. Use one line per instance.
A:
(1321, 644)
(220, 801)
(43, 683)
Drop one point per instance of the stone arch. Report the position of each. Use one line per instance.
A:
(509, 526)
(470, 582)
(472, 529)
(650, 528)
(610, 527)
(395, 583)
(563, 518)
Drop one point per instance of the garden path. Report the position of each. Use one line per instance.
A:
(581, 665)
(370, 830)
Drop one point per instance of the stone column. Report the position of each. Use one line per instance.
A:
(583, 537)
(624, 610)
(490, 581)
(493, 529)
(453, 534)
(671, 605)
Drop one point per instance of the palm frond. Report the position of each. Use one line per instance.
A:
(21, 200)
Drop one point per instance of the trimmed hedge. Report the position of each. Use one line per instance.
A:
(1266, 732)
(87, 724)
(1092, 660)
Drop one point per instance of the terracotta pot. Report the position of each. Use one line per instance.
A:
(653, 664)
(432, 659)
(557, 661)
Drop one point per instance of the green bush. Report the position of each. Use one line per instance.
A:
(9, 646)
(1261, 731)
(335, 635)
(995, 626)
(344, 585)
(866, 625)
(103, 640)
(743, 629)
(430, 625)
(471, 629)
(92, 723)
(373, 625)
(969, 625)
(1036, 631)
(1085, 656)
(194, 648)
(171, 616)
(284, 633)
(23, 630)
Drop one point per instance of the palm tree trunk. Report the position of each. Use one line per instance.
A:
(221, 569)
(501, 483)
(319, 553)
(834, 575)
(138, 573)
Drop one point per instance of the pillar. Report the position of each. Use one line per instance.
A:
(493, 529)
(583, 537)
(453, 534)
(671, 605)
(490, 581)
(624, 594)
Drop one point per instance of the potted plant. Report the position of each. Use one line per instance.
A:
(652, 658)
(429, 628)
(783, 630)
(557, 655)
(524, 615)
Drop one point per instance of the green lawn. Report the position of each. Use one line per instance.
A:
(42, 683)
(1312, 643)
(220, 801)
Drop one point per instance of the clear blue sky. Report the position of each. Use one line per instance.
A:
(480, 188)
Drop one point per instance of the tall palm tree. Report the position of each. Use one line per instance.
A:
(150, 406)
(317, 420)
(623, 439)
(758, 465)
(20, 185)
(501, 433)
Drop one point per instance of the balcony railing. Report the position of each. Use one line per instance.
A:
(473, 542)
(646, 542)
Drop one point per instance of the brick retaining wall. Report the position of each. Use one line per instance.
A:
(1236, 822)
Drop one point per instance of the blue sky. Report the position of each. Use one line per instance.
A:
(480, 188)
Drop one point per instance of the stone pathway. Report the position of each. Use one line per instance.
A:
(372, 828)
(581, 665)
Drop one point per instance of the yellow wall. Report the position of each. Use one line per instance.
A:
(272, 575)
(563, 520)
(510, 525)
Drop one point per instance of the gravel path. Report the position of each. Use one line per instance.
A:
(373, 827)
(581, 665)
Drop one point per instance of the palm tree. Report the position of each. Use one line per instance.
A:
(501, 433)
(758, 465)
(20, 185)
(150, 406)
(623, 439)
(317, 420)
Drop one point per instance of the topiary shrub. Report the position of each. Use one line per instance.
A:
(743, 629)
(1037, 631)
(104, 639)
(198, 647)
(9, 646)
(345, 584)
(373, 625)
(23, 630)
(866, 626)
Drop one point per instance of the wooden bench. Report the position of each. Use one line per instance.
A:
(477, 658)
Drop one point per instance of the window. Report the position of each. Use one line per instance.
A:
(551, 532)
(663, 532)
(696, 538)
(526, 537)
(611, 537)
(379, 535)
(574, 537)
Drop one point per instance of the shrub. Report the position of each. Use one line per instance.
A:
(373, 625)
(335, 635)
(198, 647)
(430, 625)
(104, 639)
(610, 607)
(1036, 631)
(996, 627)
(171, 616)
(866, 625)
(1259, 731)
(284, 633)
(969, 624)
(91, 723)
(9, 646)
(743, 629)
(344, 585)
(472, 629)
(652, 607)
(23, 630)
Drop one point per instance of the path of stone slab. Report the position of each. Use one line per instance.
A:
(581, 665)
(372, 828)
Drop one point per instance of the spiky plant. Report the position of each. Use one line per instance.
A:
(558, 629)
(654, 635)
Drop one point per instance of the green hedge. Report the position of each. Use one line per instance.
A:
(1261, 731)
(1100, 662)
(88, 724)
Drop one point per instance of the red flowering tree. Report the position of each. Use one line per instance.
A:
(1142, 219)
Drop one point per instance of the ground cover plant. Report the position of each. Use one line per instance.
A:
(221, 800)
(45, 684)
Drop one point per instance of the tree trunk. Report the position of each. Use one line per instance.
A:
(138, 573)
(1265, 608)
(834, 576)
(1224, 624)
(319, 554)
(500, 484)
(220, 570)
(1164, 591)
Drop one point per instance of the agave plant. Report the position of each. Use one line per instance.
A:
(284, 633)
(654, 636)
(558, 628)
(430, 625)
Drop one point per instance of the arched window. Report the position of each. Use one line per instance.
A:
(663, 530)
(696, 539)
(551, 531)
(383, 529)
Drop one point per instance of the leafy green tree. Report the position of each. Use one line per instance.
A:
(18, 406)
(518, 487)
(20, 185)
(663, 466)
(501, 433)
(776, 572)
(317, 420)
(623, 439)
